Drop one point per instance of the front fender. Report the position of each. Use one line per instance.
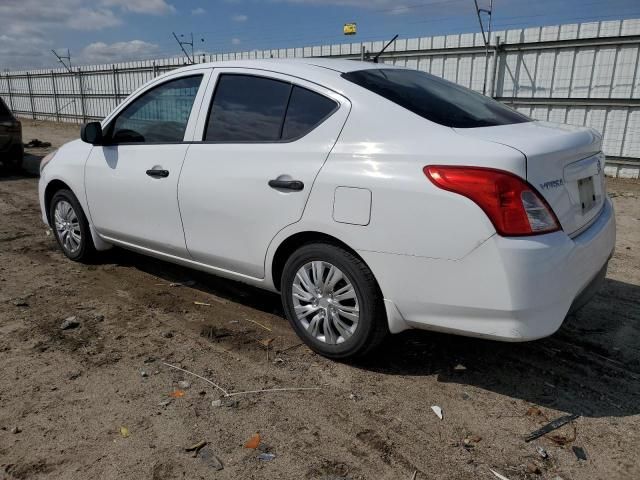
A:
(67, 167)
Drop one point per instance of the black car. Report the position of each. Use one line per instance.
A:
(11, 150)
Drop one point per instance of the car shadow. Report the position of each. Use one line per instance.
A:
(231, 290)
(591, 366)
(30, 168)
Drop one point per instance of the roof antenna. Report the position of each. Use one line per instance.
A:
(375, 59)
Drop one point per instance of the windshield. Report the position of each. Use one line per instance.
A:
(436, 99)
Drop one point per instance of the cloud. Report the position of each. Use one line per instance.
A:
(100, 52)
(349, 3)
(153, 7)
(22, 17)
(16, 53)
(29, 28)
(389, 7)
(236, 41)
(240, 18)
(399, 10)
(86, 19)
(198, 11)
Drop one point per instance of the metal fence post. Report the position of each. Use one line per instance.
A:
(116, 85)
(55, 96)
(82, 105)
(155, 70)
(33, 109)
(494, 76)
(9, 92)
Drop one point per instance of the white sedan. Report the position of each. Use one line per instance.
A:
(373, 198)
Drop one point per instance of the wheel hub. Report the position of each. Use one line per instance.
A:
(67, 226)
(325, 302)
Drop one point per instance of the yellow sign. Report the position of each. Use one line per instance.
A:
(349, 29)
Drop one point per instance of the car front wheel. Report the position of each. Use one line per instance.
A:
(70, 226)
(333, 301)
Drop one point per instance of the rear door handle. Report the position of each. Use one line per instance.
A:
(295, 185)
(156, 173)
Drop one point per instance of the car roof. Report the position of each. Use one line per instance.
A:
(285, 65)
(339, 65)
(322, 71)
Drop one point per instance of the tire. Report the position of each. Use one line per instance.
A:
(340, 337)
(78, 250)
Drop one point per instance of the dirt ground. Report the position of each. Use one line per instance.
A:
(66, 394)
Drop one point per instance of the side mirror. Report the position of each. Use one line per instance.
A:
(91, 133)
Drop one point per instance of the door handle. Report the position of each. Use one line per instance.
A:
(295, 185)
(156, 173)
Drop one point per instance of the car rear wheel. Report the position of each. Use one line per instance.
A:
(333, 302)
(70, 226)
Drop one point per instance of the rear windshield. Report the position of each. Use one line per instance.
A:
(5, 114)
(436, 99)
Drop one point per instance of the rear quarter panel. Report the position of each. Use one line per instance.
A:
(383, 148)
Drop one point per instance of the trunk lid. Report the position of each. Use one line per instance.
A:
(564, 163)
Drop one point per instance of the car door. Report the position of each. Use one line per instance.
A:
(265, 136)
(131, 181)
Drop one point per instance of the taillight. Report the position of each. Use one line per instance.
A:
(512, 205)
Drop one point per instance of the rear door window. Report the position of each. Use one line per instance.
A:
(436, 99)
(250, 109)
(247, 109)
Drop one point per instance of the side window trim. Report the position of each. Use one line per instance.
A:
(286, 111)
(291, 82)
(198, 100)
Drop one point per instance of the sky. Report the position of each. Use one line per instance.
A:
(109, 31)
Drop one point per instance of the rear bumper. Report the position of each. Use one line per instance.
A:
(589, 291)
(512, 289)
